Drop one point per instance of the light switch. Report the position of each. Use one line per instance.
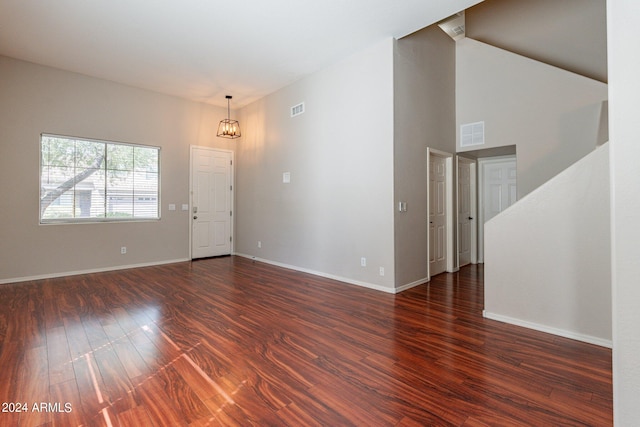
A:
(172, 207)
(286, 177)
(185, 207)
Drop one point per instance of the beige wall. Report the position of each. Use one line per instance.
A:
(424, 117)
(338, 206)
(552, 116)
(36, 99)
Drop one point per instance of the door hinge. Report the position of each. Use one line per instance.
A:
(231, 188)
(231, 162)
(230, 213)
(230, 239)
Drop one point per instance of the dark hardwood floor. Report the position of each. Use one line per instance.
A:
(228, 341)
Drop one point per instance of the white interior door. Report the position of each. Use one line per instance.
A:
(467, 235)
(437, 215)
(498, 190)
(211, 201)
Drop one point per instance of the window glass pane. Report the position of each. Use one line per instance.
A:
(58, 151)
(119, 157)
(61, 208)
(89, 154)
(145, 194)
(145, 159)
(119, 193)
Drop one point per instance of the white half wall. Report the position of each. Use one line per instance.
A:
(623, 23)
(547, 262)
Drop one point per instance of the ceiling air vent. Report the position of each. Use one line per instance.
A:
(472, 134)
(296, 110)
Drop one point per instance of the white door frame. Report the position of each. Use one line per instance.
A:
(232, 202)
(482, 163)
(451, 215)
(473, 206)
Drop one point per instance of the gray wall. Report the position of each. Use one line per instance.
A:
(338, 206)
(36, 99)
(552, 116)
(424, 116)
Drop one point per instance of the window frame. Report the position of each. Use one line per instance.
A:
(105, 218)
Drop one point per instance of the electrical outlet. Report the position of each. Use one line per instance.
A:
(382, 271)
(259, 244)
(123, 250)
(363, 262)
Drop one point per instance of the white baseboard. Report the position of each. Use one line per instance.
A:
(93, 270)
(550, 330)
(321, 274)
(412, 285)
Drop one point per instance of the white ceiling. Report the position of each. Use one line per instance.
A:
(204, 49)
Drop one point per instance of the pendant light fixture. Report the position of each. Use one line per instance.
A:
(229, 128)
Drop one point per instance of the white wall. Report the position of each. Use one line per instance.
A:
(623, 19)
(424, 117)
(547, 262)
(36, 99)
(339, 204)
(552, 116)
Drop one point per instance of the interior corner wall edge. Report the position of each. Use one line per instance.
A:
(424, 117)
(37, 99)
(338, 206)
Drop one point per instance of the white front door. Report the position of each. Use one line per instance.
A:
(437, 215)
(211, 180)
(466, 212)
(499, 190)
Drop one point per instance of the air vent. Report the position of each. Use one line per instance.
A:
(454, 26)
(472, 134)
(458, 31)
(296, 110)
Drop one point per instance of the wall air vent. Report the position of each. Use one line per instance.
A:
(472, 134)
(454, 26)
(296, 110)
(458, 31)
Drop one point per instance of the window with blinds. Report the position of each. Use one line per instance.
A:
(87, 180)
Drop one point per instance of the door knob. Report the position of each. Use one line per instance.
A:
(470, 218)
(195, 217)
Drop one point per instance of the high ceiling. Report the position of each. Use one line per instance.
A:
(204, 49)
(570, 34)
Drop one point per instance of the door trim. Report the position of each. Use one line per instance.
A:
(452, 247)
(473, 206)
(232, 201)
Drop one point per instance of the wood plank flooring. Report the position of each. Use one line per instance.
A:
(229, 341)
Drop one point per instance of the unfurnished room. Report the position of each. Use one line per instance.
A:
(342, 213)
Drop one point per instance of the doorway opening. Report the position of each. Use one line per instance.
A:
(440, 209)
(467, 211)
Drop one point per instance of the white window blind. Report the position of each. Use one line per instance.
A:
(84, 180)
